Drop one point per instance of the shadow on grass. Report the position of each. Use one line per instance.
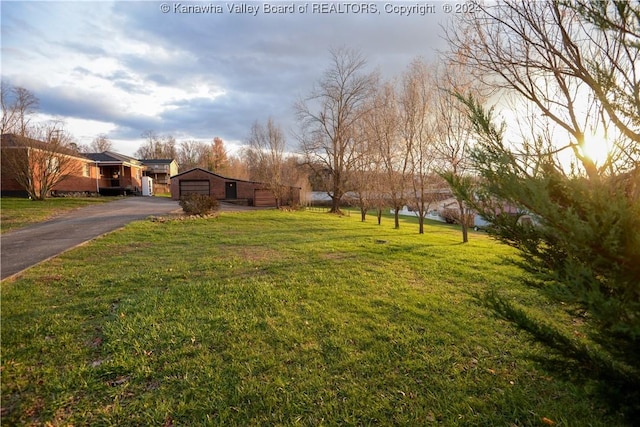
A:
(614, 383)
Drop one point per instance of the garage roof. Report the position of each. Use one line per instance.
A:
(215, 174)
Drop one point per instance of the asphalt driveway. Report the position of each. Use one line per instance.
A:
(25, 247)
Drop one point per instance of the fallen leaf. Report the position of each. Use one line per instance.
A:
(547, 421)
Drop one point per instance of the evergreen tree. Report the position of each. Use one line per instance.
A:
(582, 242)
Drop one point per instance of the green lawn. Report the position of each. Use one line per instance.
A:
(279, 318)
(19, 212)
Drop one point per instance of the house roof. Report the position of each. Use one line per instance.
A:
(113, 158)
(219, 176)
(106, 157)
(16, 141)
(215, 174)
(159, 161)
(99, 157)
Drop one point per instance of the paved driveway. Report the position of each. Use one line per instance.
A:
(23, 248)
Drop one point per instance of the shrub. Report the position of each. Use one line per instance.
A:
(198, 204)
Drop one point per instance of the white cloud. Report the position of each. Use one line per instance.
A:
(127, 67)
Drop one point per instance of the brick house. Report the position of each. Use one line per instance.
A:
(118, 174)
(107, 173)
(80, 174)
(252, 193)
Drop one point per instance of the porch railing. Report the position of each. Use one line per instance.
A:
(114, 183)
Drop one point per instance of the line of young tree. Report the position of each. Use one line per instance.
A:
(386, 144)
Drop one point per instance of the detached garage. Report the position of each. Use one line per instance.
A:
(202, 181)
(197, 187)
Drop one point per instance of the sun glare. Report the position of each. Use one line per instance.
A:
(597, 148)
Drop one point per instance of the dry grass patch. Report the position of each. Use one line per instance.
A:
(250, 253)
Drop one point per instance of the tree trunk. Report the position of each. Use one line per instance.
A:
(463, 222)
(421, 223)
(335, 206)
(379, 216)
(396, 217)
(363, 214)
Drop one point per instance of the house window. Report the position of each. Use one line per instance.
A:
(86, 171)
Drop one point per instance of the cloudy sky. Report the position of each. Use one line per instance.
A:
(125, 67)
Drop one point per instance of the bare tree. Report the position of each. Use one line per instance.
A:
(418, 128)
(581, 75)
(157, 146)
(100, 144)
(455, 134)
(8, 109)
(189, 153)
(41, 159)
(148, 149)
(328, 118)
(364, 190)
(392, 151)
(18, 105)
(295, 174)
(237, 168)
(266, 153)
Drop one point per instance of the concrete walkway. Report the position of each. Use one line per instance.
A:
(26, 247)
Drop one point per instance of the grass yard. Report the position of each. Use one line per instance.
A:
(19, 212)
(280, 318)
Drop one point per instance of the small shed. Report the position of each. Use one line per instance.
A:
(202, 181)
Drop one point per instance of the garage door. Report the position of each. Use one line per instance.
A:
(264, 198)
(191, 187)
